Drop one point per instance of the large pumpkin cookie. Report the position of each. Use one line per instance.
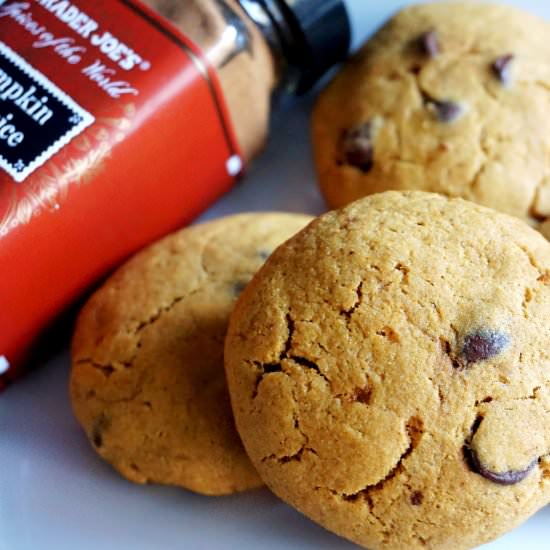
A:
(389, 371)
(148, 384)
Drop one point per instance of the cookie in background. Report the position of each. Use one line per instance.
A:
(148, 383)
(452, 98)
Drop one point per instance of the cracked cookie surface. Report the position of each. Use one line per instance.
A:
(460, 97)
(147, 383)
(389, 371)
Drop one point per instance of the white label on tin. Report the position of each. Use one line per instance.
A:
(4, 364)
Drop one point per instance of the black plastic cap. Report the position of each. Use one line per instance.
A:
(315, 35)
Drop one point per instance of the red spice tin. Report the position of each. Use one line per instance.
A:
(113, 131)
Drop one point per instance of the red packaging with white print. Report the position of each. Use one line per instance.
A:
(102, 106)
(120, 123)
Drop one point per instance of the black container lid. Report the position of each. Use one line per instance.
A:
(314, 35)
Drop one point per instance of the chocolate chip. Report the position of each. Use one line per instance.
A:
(446, 111)
(101, 424)
(97, 440)
(501, 478)
(264, 254)
(483, 344)
(501, 68)
(476, 425)
(429, 44)
(416, 498)
(357, 147)
(237, 287)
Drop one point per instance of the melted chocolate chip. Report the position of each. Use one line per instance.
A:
(264, 254)
(101, 424)
(501, 68)
(416, 498)
(447, 111)
(238, 287)
(97, 439)
(357, 147)
(429, 44)
(501, 478)
(482, 345)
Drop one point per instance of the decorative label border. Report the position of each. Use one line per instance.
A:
(84, 118)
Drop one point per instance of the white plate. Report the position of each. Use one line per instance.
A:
(55, 494)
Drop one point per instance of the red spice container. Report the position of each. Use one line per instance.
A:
(120, 121)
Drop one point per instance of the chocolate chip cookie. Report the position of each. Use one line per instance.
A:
(389, 371)
(148, 384)
(447, 97)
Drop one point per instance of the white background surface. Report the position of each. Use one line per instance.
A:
(55, 494)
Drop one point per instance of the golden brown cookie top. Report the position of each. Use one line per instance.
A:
(148, 383)
(389, 373)
(449, 97)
